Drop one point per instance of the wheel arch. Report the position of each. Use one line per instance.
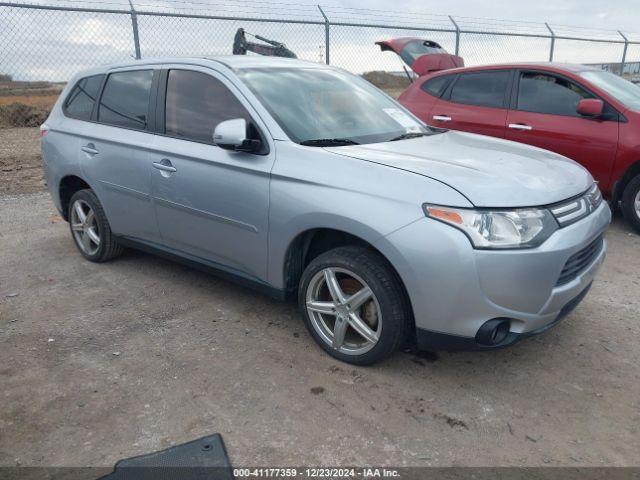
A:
(629, 174)
(67, 187)
(311, 243)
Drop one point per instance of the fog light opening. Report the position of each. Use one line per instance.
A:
(493, 332)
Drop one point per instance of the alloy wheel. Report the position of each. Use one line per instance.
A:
(344, 311)
(85, 227)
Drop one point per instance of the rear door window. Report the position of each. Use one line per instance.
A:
(544, 93)
(125, 99)
(484, 89)
(80, 102)
(196, 103)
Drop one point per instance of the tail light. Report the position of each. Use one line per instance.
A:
(44, 129)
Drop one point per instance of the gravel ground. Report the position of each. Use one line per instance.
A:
(102, 362)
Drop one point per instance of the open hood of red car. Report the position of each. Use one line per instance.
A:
(423, 56)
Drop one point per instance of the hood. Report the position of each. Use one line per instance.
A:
(422, 56)
(490, 172)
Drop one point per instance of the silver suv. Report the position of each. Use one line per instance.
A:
(302, 179)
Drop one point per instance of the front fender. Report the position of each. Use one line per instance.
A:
(312, 188)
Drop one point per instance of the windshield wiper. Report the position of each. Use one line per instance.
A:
(404, 136)
(328, 142)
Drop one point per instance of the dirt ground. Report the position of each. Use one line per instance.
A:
(20, 164)
(26, 104)
(102, 362)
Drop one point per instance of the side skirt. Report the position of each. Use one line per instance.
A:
(206, 266)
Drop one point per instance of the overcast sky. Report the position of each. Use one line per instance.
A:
(46, 45)
(606, 14)
(593, 14)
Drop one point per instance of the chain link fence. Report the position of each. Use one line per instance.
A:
(42, 44)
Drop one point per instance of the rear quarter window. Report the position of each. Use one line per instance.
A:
(435, 86)
(82, 98)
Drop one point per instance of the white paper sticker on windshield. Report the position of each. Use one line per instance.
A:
(403, 119)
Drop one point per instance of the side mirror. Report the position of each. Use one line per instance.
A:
(590, 107)
(232, 135)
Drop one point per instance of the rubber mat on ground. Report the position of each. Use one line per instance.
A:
(205, 458)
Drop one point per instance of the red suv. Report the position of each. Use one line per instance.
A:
(583, 113)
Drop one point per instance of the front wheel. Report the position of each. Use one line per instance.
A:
(354, 306)
(631, 203)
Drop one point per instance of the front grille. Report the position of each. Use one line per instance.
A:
(570, 212)
(579, 261)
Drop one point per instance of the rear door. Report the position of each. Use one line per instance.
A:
(475, 102)
(115, 148)
(421, 96)
(211, 203)
(544, 115)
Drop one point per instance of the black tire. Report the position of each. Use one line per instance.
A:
(370, 266)
(108, 247)
(631, 191)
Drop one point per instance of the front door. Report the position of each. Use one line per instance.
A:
(211, 204)
(545, 116)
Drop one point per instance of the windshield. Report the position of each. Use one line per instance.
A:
(619, 88)
(323, 107)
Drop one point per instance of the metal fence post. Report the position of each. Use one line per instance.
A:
(624, 52)
(134, 24)
(326, 36)
(457, 34)
(553, 41)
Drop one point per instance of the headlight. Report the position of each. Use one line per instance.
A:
(518, 228)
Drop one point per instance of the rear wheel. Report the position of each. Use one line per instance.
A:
(631, 203)
(90, 229)
(353, 305)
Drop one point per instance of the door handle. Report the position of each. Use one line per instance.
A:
(165, 166)
(520, 126)
(90, 149)
(442, 118)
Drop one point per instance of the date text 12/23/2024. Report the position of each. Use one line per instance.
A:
(316, 472)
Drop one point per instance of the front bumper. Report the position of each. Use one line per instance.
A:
(454, 289)
(436, 341)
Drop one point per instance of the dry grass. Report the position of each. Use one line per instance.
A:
(26, 104)
(41, 101)
(393, 92)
